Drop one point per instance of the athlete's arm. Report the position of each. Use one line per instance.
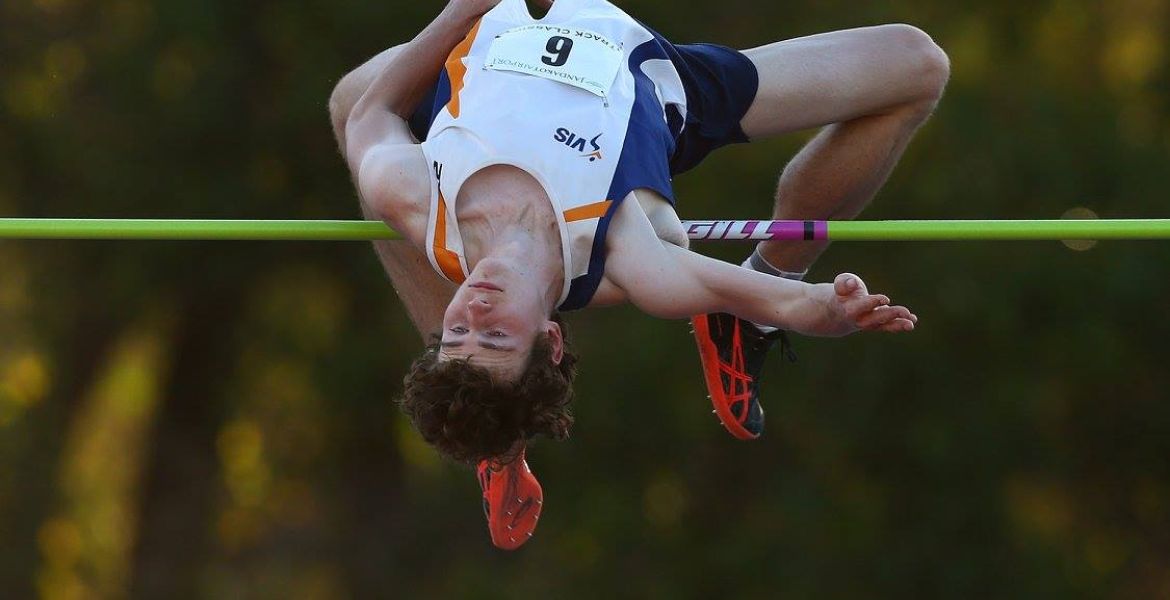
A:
(382, 154)
(667, 281)
(667, 227)
(380, 116)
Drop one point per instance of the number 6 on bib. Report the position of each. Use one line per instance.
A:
(582, 59)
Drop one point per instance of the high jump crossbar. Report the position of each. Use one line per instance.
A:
(723, 230)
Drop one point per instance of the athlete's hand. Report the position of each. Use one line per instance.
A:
(853, 308)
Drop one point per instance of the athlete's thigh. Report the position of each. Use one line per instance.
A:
(833, 77)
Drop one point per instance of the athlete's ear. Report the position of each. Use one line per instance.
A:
(556, 340)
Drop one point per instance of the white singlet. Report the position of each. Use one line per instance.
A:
(579, 99)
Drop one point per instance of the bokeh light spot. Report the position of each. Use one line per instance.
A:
(415, 451)
(664, 500)
(174, 73)
(1079, 212)
(60, 542)
(64, 61)
(25, 381)
(241, 449)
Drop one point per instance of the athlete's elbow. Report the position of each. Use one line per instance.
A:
(377, 209)
(375, 201)
(354, 136)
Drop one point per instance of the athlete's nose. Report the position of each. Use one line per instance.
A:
(479, 307)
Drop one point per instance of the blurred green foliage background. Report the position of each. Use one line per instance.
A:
(215, 420)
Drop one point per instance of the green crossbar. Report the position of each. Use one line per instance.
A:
(726, 230)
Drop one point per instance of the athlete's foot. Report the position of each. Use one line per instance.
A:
(732, 351)
(512, 500)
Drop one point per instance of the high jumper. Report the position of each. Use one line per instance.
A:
(542, 183)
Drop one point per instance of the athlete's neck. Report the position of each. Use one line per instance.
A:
(530, 259)
(504, 214)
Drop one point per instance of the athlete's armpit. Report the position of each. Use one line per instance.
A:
(607, 294)
(663, 218)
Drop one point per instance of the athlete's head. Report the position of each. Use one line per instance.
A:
(495, 317)
(501, 372)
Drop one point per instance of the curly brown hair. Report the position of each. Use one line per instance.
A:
(469, 415)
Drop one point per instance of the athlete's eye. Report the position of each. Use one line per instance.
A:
(458, 329)
(496, 334)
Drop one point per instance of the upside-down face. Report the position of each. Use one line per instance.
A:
(495, 317)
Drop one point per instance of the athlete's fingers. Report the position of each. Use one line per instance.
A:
(875, 318)
(848, 284)
(855, 308)
(883, 315)
(898, 326)
(878, 316)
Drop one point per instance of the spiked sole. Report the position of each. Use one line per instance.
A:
(512, 504)
(709, 356)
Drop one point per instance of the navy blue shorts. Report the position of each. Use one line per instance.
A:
(720, 85)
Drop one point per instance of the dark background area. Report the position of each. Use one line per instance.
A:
(215, 420)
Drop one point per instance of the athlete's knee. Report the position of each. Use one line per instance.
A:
(929, 68)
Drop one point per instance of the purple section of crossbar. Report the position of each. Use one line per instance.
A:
(786, 230)
(790, 230)
(757, 230)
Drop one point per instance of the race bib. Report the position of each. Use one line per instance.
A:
(572, 56)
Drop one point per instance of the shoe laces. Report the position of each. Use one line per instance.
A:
(736, 370)
(785, 343)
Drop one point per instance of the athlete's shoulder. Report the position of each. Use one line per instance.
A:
(630, 231)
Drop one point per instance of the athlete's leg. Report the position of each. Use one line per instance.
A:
(424, 294)
(870, 89)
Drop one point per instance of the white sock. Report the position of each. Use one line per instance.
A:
(757, 263)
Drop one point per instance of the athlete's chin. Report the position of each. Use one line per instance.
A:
(494, 270)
